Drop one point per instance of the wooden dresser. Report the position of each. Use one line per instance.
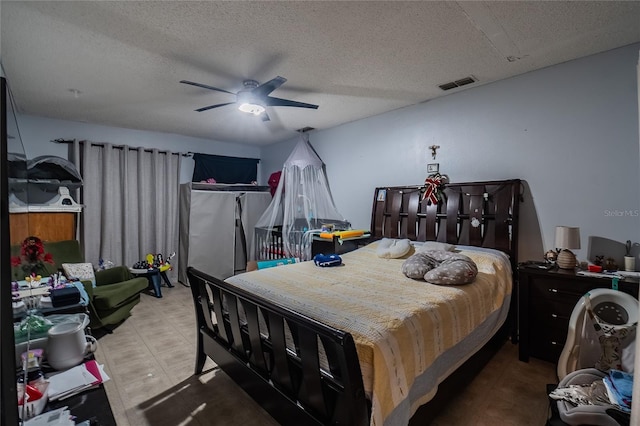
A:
(545, 302)
(48, 226)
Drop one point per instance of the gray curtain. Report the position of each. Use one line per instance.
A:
(130, 198)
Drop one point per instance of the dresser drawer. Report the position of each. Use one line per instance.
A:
(548, 333)
(558, 306)
(550, 318)
(548, 349)
(557, 290)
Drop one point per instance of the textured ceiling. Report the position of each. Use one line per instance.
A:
(353, 59)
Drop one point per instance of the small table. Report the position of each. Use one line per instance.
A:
(44, 290)
(155, 277)
(337, 245)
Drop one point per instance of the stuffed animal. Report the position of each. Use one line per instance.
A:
(325, 260)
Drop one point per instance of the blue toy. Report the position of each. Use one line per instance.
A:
(327, 260)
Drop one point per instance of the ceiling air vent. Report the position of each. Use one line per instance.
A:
(458, 83)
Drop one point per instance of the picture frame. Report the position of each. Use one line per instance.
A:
(433, 168)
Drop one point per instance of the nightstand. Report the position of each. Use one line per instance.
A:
(337, 245)
(546, 299)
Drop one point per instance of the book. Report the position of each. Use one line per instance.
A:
(277, 262)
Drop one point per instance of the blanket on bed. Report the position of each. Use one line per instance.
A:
(409, 334)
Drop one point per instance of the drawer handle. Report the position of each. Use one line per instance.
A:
(554, 316)
(553, 290)
(554, 343)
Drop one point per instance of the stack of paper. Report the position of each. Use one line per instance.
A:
(630, 274)
(75, 380)
(59, 417)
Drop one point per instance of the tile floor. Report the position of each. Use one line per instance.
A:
(151, 356)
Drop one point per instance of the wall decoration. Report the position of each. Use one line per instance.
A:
(433, 187)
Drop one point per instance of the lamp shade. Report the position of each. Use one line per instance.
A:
(567, 237)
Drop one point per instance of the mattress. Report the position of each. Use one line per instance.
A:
(409, 334)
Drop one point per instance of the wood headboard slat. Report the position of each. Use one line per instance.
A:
(411, 224)
(503, 208)
(476, 213)
(453, 211)
(429, 223)
(393, 223)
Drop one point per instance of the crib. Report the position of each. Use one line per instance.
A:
(269, 242)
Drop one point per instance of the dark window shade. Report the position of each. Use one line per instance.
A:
(225, 169)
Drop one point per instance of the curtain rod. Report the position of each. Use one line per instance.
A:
(183, 154)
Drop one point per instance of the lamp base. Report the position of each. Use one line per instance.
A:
(566, 259)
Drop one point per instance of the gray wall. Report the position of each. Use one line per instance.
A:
(569, 131)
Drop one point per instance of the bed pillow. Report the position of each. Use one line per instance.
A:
(417, 265)
(81, 271)
(389, 248)
(441, 267)
(435, 245)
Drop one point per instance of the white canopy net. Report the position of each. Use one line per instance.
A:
(301, 205)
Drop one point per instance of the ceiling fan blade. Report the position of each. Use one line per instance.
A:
(264, 116)
(270, 101)
(268, 87)
(213, 106)
(204, 86)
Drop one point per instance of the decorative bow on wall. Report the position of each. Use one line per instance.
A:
(433, 186)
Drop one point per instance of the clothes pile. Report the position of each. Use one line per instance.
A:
(590, 396)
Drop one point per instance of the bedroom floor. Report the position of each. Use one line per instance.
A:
(151, 356)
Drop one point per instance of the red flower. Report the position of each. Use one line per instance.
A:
(32, 254)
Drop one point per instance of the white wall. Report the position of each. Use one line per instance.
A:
(569, 131)
(38, 132)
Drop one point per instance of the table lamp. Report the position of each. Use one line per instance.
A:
(567, 238)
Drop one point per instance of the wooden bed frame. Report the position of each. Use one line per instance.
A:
(293, 385)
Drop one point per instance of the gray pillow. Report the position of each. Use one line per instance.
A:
(417, 265)
(441, 267)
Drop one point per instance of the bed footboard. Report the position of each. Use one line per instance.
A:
(299, 370)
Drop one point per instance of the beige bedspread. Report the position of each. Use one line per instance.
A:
(400, 326)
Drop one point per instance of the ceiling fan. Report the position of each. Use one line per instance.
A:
(254, 98)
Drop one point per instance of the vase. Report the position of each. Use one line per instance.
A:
(630, 263)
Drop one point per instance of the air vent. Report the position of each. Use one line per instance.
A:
(305, 129)
(458, 83)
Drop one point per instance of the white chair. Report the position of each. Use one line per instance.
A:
(582, 348)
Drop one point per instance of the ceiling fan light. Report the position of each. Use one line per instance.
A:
(251, 108)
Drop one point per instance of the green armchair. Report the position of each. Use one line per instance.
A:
(115, 293)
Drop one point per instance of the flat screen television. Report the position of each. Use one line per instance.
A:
(10, 142)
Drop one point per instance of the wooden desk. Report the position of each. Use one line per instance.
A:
(92, 405)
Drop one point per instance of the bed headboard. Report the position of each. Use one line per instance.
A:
(483, 214)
